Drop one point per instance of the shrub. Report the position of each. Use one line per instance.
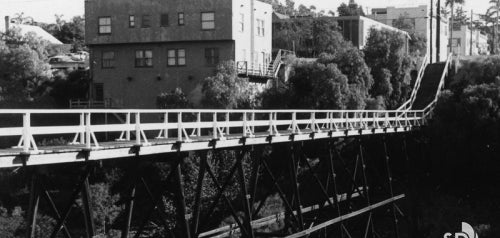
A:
(226, 90)
(386, 55)
(75, 85)
(174, 99)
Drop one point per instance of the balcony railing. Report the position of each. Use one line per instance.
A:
(93, 104)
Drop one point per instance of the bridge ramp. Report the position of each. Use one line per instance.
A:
(429, 86)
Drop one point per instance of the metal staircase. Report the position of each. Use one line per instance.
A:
(261, 72)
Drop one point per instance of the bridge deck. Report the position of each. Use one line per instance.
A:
(15, 157)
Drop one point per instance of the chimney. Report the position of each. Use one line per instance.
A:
(7, 21)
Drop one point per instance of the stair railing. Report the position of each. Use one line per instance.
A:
(430, 108)
(408, 104)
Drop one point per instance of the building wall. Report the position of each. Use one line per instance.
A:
(420, 17)
(461, 42)
(134, 87)
(120, 10)
(246, 50)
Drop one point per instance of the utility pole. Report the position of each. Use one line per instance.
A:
(430, 41)
(438, 31)
(471, 29)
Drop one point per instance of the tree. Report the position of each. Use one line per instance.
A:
(20, 18)
(71, 32)
(338, 79)
(287, 9)
(351, 9)
(65, 88)
(174, 99)
(25, 71)
(226, 90)
(309, 37)
(418, 42)
(390, 64)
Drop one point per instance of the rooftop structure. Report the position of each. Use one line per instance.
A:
(25, 29)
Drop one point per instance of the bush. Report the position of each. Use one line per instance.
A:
(174, 99)
(226, 90)
(75, 85)
(386, 55)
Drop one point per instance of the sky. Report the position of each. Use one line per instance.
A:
(44, 10)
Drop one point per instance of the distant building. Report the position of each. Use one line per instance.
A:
(139, 49)
(467, 42)
(25, 29)
(420, 18)
(357, 29)
(353, 28)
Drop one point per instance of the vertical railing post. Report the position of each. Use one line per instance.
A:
(214, 129)
(313, 122)
(127, 132)
(198, 119)
(82, 124)
(245, 124)
(137, 128)
(88, 132)
(26, 132)
(253, 123)
(179, 126)
(270, 123)
(165, 124)
(227, 123)
(294, 122)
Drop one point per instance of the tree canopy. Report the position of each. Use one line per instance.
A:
(23, 60)
(351, 9)
(385, 54)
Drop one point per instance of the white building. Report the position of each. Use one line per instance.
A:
(419, 17)
(467, 42)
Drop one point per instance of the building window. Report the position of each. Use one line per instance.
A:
(260, 27)
(211, 56)
(455, 42)
(143, 58)
(164, 20)
(176, 57)
(180, 18)
(146, 21)
(131, 21)
(207, 20)
(99, 91)
(104, 25)
(108, 59)
(242, 22)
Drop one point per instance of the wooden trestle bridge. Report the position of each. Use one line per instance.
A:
(345, 191)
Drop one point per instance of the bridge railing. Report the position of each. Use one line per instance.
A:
(145, 126)
(408, 104)
(430, 108)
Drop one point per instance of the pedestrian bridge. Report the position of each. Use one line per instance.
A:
(342, 189)
(165, 131)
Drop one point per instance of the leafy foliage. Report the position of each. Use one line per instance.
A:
(309, 36)
(227, 90)
(68, 32)
(71, 86)
(385, 55)
(174, 99)
(24, 68)
(351, 9)
(418, 42)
